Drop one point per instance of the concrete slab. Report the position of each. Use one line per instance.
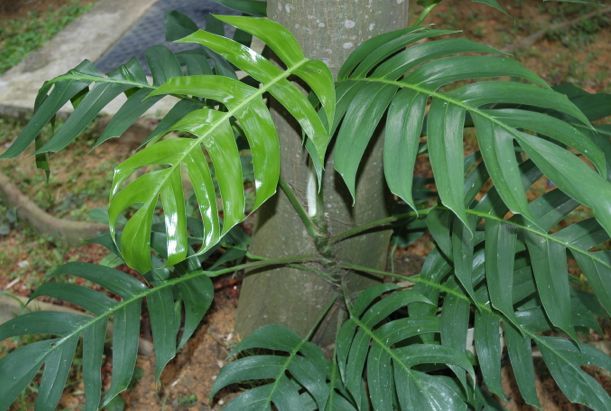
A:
(88, 37)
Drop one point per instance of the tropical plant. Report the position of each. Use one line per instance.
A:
(497, 282)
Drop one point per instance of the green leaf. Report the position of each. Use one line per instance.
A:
(303, 368)
(61, 93)
(135, 106)
(93, 359)
(273, 79)
(125, 340)
(496, 147)
(252, 7)
(364, 49)
(420, 391)
(462, 253)
(598, 274)
(401, 140)
(22, 365)
(214, 134)
(42, 322)
(553, 128)
(520, 354)
(197, 297)
(500, 246)
(164, 325)
(163, 64)
(445, 136)
(550, 270)
(90, 300)
(492, 3)
(357, 129)
(55, 375)
(564, 362)
(488, 348)
(454, 326)
(394, 66)
(367, 342)
(115, 281)
(57, 353)
(95, 100)
(595, 265)
(572, 176)
(178, 111)
(178, 25)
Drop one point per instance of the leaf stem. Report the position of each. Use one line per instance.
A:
(412, 214)
(309, 224)
(361, 228)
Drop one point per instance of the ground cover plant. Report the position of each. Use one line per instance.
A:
(498, 279)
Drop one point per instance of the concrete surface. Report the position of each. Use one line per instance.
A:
(88, 37)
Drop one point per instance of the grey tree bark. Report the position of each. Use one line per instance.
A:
(328, 30)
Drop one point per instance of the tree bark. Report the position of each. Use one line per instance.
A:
(328, 30)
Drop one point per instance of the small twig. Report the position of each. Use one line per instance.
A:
(11, 284)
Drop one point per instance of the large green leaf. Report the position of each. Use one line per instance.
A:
(300, 366)
(18, 368)
(174, 159)
(431, 73)
(93, 91)
(564, 361)
(375, 360)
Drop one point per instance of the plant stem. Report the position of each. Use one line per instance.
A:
(307, 221)
(379, 273)
(356, 230)
(411, 214)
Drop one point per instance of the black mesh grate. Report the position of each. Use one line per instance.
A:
(149, 30)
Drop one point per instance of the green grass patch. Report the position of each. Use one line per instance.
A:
(21, 35)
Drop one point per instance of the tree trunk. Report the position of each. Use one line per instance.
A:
(328, 30)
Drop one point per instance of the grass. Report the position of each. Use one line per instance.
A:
(19, 36)
(71, 192)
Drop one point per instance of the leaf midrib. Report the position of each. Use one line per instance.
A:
(79, 76)
(385, 347)
(282, 370)
(441, 96)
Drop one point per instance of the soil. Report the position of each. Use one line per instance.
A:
(187, 381)
(581, 55)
